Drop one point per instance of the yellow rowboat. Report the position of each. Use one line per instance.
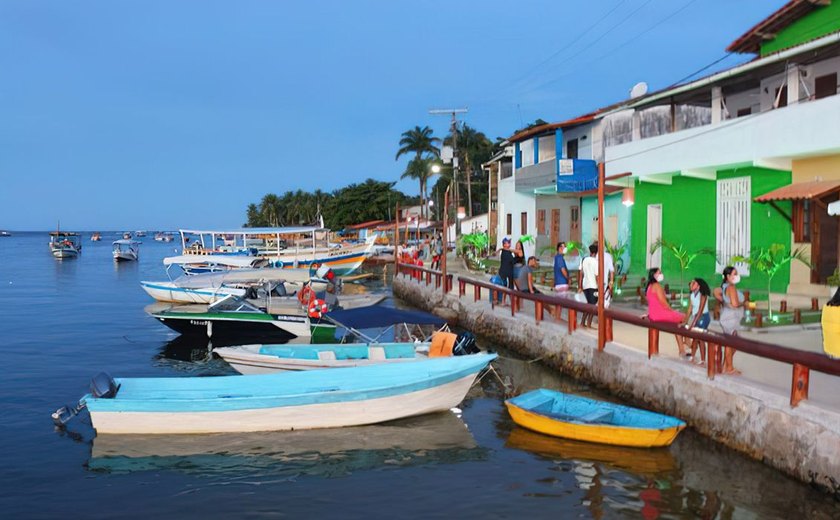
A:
(579, 418)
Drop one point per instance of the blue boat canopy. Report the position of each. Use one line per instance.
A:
(379, 316)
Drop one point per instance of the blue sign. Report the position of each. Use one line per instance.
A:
(576, 175)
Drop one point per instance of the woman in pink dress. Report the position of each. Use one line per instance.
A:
(658, 307)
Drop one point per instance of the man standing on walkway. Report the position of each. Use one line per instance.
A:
(589, 282)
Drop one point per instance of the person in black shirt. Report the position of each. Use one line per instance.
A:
(506, 265)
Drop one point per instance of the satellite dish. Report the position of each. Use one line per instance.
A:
(638, 90)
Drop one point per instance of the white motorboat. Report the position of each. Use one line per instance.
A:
(65, 244)
(126, 250)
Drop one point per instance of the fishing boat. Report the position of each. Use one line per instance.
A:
(583, 419)
(139, 234)
(65, 244)
(219, 263)
(96, 237)
(211, 287)
(274, 402)
(432, 438)
(286, 247)
(233, 318)
(4, 234)
(163, 237)
(126, 250)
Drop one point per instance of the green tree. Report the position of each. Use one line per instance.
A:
(768, 261)
(422, 144)
(474, 149)
(683, 256)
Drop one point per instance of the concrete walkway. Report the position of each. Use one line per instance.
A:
(770, 375)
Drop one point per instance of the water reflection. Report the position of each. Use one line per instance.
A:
(430, 439)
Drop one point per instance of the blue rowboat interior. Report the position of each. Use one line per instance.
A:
(341, 351)
(247, 392)
(582, 410)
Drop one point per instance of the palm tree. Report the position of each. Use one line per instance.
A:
(420, 168)
(769, 260)
(420, 142)
(474, 148)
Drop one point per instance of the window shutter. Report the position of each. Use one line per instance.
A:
(733, 222)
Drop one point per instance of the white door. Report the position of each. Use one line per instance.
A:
(733, 222)
(654, 234)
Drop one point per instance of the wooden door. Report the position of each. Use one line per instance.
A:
(824, 243)
(574, 224)
(555, 227)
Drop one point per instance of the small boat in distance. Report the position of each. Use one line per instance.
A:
(163, 237)
(126, 250)
(96, 236)
(65, 244)
(275, 402)
(139, 234)
(583, 419)
(5, 234)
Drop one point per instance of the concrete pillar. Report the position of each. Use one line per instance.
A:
(637, 126)
(793, 84)
(717, 105)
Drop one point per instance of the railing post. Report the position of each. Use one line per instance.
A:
(462, 287)
(477, 293)
(538, 311)
(712, 355)
(815, 304)
(783, 306)
(758, 319)
(513, 302)
(428, 278)
(572, 320)
(493, 295)
(797, 316)
(653, 342)
(608, 323)
(799, 385)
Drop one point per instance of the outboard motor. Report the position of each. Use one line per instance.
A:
(103, 386)
(465, 345)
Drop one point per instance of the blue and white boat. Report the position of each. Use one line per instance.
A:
(274, 402)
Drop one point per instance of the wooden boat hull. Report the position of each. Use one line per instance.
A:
(170, 292)
(280, 328)
(124, 257)
(302, 400)
(602, 433)
(257, 359)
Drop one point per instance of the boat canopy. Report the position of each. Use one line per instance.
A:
(379, 316)
(127, 242)
(256, 231)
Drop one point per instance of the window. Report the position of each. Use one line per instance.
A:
(526, 148)
(801, 220)
(733, 222)
(547, 148)
(782, 98)
(541, 222)
(523, 223)
(572, 149)
(509, 226)
(744, 111)
(506, 170)
(825, 86)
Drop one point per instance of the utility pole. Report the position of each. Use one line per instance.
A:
(455, 163)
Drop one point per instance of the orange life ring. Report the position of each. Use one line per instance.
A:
(306, 295)
(317, 308)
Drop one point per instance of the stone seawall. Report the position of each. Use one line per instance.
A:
(803, 442)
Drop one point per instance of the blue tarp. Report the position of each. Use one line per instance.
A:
(379, 316)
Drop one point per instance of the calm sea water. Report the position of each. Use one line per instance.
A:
(63, 321)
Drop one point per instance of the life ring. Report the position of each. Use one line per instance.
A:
(306, 295)
(278, 264)
(317, 308)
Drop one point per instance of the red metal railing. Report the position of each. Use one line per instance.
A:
(425, 274)
(802, 362)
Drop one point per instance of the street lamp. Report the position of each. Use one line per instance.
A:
(435, 168)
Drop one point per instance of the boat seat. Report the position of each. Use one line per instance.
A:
(597, 416)
(376, 353)
(326, 355)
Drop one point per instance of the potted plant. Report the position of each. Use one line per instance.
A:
(471, 247)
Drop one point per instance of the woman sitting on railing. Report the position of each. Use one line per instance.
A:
(659, 309)
(697, 317)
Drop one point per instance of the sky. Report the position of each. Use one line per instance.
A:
(176, 114)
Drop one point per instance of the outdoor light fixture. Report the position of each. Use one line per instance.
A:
(461, 212)
(435, 168)
(628, 196)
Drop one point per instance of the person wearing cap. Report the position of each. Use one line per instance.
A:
(506, 265)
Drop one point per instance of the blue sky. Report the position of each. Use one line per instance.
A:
(167, 114)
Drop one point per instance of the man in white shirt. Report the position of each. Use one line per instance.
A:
(589, 282)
